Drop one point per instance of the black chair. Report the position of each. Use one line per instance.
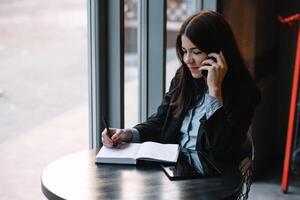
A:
(246, 166)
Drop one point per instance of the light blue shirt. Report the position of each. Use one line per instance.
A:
(195, 161)
(207, 106)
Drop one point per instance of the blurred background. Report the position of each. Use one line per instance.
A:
(44, 83)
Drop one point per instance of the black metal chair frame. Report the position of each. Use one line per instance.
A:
(247, 166)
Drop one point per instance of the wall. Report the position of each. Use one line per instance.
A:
(268, 48)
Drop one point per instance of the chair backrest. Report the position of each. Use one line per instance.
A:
(246, 165)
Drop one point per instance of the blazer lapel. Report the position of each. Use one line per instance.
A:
(201, 132)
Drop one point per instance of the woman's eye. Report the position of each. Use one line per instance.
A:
(197, 52)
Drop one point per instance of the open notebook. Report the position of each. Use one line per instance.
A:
(151, 151)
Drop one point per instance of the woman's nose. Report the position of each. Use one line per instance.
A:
(188, 59)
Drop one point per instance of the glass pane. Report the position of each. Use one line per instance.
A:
(177, 12)
(131, 63)
(43, 89)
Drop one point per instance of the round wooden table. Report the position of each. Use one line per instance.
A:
(76, 176)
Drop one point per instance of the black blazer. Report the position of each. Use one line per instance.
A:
(219, 137)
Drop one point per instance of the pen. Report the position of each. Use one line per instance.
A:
(107, 128)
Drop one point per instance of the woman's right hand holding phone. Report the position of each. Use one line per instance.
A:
(216, 67)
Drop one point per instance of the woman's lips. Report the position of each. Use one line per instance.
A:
(194, 68)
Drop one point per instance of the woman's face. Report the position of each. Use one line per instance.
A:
(192, 56)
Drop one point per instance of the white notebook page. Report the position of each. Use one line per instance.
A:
(129, 152)
(153, 150)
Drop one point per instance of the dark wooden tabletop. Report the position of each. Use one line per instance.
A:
(76, 176)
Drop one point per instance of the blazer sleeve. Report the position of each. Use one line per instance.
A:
(151, 129)
(223, 133)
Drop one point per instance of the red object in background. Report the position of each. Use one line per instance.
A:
(291, 123)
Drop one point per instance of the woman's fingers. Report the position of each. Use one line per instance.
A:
(208, 62)
(221, 61)
(106, 140)
(219, 65)
(216, 56)
(117, 135)
(205, 67)
(119, 138)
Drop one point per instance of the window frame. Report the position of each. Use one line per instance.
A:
(106, 60)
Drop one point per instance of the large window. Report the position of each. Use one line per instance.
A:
(43, 89)
(177, 11)
(131, 63)
(132, 57)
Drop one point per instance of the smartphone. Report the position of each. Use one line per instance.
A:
(190, 165)
(204, 72)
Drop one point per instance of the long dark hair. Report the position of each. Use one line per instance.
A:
(210, 32)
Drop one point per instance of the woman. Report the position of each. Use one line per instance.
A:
(211, 99)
